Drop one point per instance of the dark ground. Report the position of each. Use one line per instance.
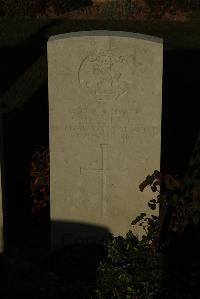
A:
(67, 273)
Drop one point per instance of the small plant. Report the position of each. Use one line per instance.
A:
(132, 270)
(136, 269)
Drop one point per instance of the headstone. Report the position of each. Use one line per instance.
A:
(105, 98)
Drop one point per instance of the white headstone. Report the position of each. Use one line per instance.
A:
(105, 98)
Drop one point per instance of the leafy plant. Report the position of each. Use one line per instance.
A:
(117, 8)
(132, 270)
(136, 268)
(22, 7)
(162, 5)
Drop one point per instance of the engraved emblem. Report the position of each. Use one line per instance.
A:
(104, 76)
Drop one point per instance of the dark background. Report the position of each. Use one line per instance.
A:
(25, 117)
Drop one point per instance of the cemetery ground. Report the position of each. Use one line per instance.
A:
(67, 273)
(30, 270)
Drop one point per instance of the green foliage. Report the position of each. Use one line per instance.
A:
(163, 5)
(11, 8)
(34, 7)
(132, 270)
(108, 9)
(117, 8)
(136, 268)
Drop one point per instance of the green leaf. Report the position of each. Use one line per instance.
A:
(154, 188)
(138, 218)
(153, 200)
(152, 206)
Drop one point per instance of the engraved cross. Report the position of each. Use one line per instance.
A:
(103, 172)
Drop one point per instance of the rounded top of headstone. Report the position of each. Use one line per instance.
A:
(97, 33)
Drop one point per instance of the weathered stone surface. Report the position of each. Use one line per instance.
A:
(105, 98)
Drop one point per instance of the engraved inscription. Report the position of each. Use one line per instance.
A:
(104, 76)
(94, 133)
(89, 124)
